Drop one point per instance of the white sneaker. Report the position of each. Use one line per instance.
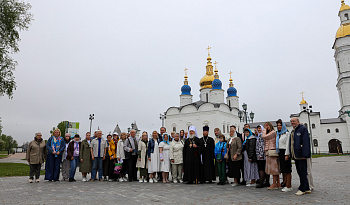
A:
(110, 180)
(308, 192)
(250, 185)
(37, 180)
(30, 180)
(140, 180)
(234, 184)
(181, 181)
(150, 180)
(155, 180)
(299, 193)
(84, 179)
(286, 189)
(125, 179)
(175, 181)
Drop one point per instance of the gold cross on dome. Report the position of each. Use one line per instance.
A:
(230, 73)
(208, 49)
(186, 71)
(302, 94)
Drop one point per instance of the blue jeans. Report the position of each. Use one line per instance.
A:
(73, 167)
(97, 163)
(52, 167)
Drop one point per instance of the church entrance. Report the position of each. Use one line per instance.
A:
(334, 146)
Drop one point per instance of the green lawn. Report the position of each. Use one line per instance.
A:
(327, 155)
(3, 152)
(15, 169)
(3, 155)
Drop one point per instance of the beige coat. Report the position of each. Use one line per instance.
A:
(142, 154)
(36, 152)
(236, 148)
(176, 152)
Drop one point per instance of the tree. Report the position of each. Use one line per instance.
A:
(9, 142)
(62, 126)
(0, 127)
(14, 17)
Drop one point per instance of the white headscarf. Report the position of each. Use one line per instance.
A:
(259, 134)
(194, 129)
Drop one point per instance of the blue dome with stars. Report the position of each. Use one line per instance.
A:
(216, 84)
(231, 91)
(185, 90)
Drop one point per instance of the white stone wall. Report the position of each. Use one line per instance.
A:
(185, 99)
(217, 96)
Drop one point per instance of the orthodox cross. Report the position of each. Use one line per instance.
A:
(186, 71)
(215, 64)
(230, 73)
(302, 94)
(208, 49)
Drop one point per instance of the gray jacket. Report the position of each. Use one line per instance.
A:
(94, 146)
(129, 144)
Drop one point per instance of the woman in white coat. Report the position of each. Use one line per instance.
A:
(121, 157)
(176, 158)
(164, 148)
(142, 157)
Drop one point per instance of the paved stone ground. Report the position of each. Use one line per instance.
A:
(15, 158)
(331, 180)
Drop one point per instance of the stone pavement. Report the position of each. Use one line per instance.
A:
(15, 158)
(331, 179)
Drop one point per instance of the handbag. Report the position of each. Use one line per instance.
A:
(272, 153)
(118, 167)
(128, 154)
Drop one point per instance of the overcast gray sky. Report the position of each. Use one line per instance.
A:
(124, 60)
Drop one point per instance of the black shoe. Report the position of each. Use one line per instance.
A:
(222, 183)
(259, 186)
(267, 185)
(74, 180)
(70, 180)
(283, 184)
(189, 182)
(219, 183)
(210, 182)
(243, 183)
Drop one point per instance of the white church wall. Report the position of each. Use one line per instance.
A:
(342, 135)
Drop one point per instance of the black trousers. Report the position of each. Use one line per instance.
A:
(34, 170)
(301, 166)
(132, 171)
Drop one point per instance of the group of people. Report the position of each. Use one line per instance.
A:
(248, 158)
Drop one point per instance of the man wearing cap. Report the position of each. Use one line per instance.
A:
(191, 157)
(207, 147)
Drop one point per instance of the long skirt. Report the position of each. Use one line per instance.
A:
(234, 168)
(272, 166)
(250, 169)
(154, 164)
(65, 169)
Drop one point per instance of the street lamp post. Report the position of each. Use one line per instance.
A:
(243, 116)
(162, 117)
(92, 116)
(309, 111)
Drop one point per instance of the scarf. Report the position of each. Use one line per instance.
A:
(279, 133)
(260, 133)
(250, 134)
(167, 140)
(55, 144)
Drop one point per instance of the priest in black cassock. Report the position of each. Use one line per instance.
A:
(191, 157)
(207, 146)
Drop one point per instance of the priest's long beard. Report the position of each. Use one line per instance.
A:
(191, 136)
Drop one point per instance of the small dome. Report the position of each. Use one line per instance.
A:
(231, 92)
(343, 6)
(216, 84)
(343, 31)
(185, 90)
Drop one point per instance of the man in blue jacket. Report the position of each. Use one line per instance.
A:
(300, 151)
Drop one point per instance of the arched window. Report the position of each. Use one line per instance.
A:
(328, 131)
(313, 126)
(223, 128)
(206, 97)
(306, 126)
(174, 129)
(346, 16)
(315, 143)
(229, 103)
(336, 130)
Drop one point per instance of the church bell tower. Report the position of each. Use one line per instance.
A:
(342, 59)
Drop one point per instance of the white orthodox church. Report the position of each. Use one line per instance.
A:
(326, 135)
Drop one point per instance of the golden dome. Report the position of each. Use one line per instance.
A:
(344, 6)
(303, 102)
(206, 81)
(343, 30)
